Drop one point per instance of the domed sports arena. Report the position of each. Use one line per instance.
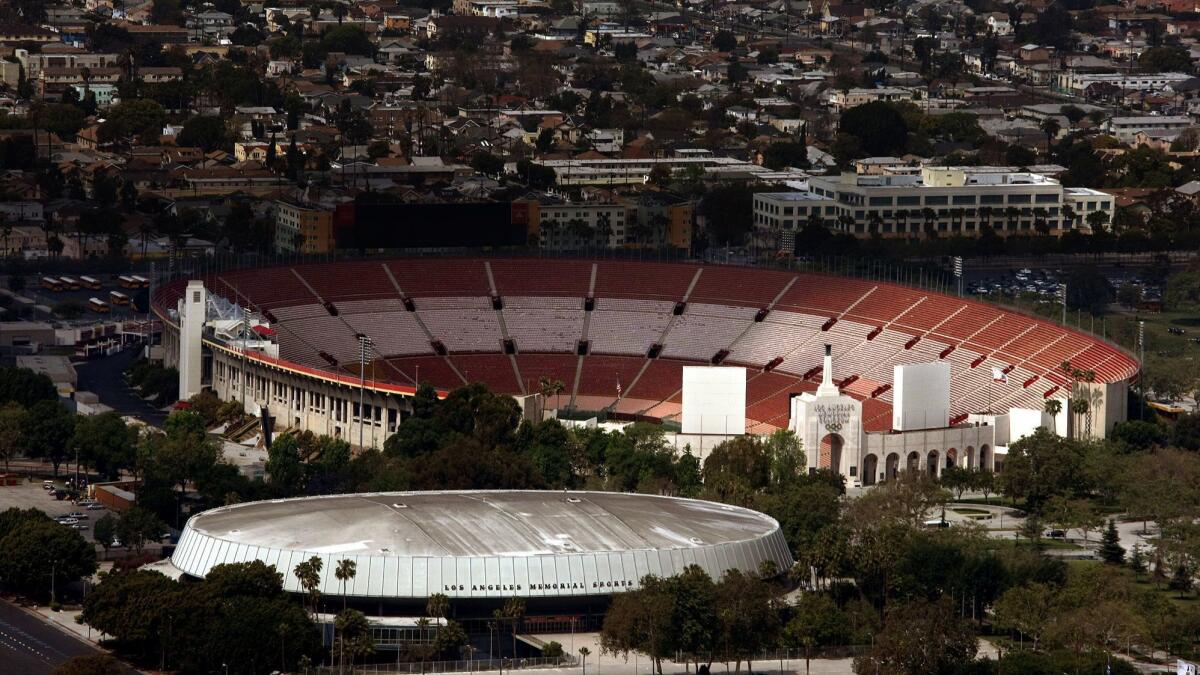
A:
(309, 339)
(484, 545)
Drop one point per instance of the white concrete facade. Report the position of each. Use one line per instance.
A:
(946, 200)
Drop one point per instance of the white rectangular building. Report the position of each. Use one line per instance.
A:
(942, 200)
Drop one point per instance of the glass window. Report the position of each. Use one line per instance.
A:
(936, 200)
(1020, 199)
(964, 199)
(880, 201)
(991, 199)
(1046, 198)
(908, 201)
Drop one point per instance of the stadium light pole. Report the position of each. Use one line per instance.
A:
(363, 343)
(1142, 359)
(245, 330)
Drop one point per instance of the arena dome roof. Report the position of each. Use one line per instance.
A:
(484, 544)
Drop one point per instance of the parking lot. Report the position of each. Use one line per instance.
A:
(32, 495)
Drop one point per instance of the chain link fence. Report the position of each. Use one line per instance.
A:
(459, 666)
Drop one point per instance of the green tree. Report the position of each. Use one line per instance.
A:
(105, 530)
(1165, 60)
(92, 664)
(284, 466)
(904, 644)
(1028, 610)
(748, 620)
(25, 387)
(957, 479)
(133, 117)
(208, 133)
(1111, 551)
(816, 622)
(49, 432)
(137, 526)
(134, 607)
(13, 420)
(40, 554)
(783, 154)
(879, 128)
(354, 634)
(105, 442)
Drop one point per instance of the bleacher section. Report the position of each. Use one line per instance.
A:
(463, 324)
(542, 324)
(627, 326)
(542, 277)
(705, 329)
(543, 313)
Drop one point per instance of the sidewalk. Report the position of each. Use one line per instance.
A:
(64, 620)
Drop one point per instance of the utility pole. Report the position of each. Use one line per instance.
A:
(958, 273)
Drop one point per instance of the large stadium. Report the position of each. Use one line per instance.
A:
(304, 342)
(556, 549)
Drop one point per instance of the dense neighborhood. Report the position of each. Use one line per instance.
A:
(142, 129)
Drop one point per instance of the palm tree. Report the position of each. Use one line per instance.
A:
(874, 222)
(308, 573)
(583, 654)
(1068, 215)
(928, 215)
(340, 11)
(1051, 127)
(423, 625)
(1039, 221)
(345, 571)
(580, 229)
(985, 215)
(1052, 407)
(438, 606)
(514, 609)
(1080, 408)
(549, 387)
(1011, 213)
(549, 229)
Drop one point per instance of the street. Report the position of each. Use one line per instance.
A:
(31, 646)
(105, 377)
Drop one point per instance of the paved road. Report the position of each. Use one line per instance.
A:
(30, 646)
(103, 376)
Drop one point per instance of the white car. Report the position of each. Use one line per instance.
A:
(68, 521)
(79, 526)
(95, 507)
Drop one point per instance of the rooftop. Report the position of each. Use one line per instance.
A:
(483, 523)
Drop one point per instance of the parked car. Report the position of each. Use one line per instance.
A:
(95, 507)
(68, 521)
(79, 526)
(1057, 534)
(78, 515)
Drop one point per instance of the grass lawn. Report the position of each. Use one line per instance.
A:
(994, 500)
(1044, 544)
